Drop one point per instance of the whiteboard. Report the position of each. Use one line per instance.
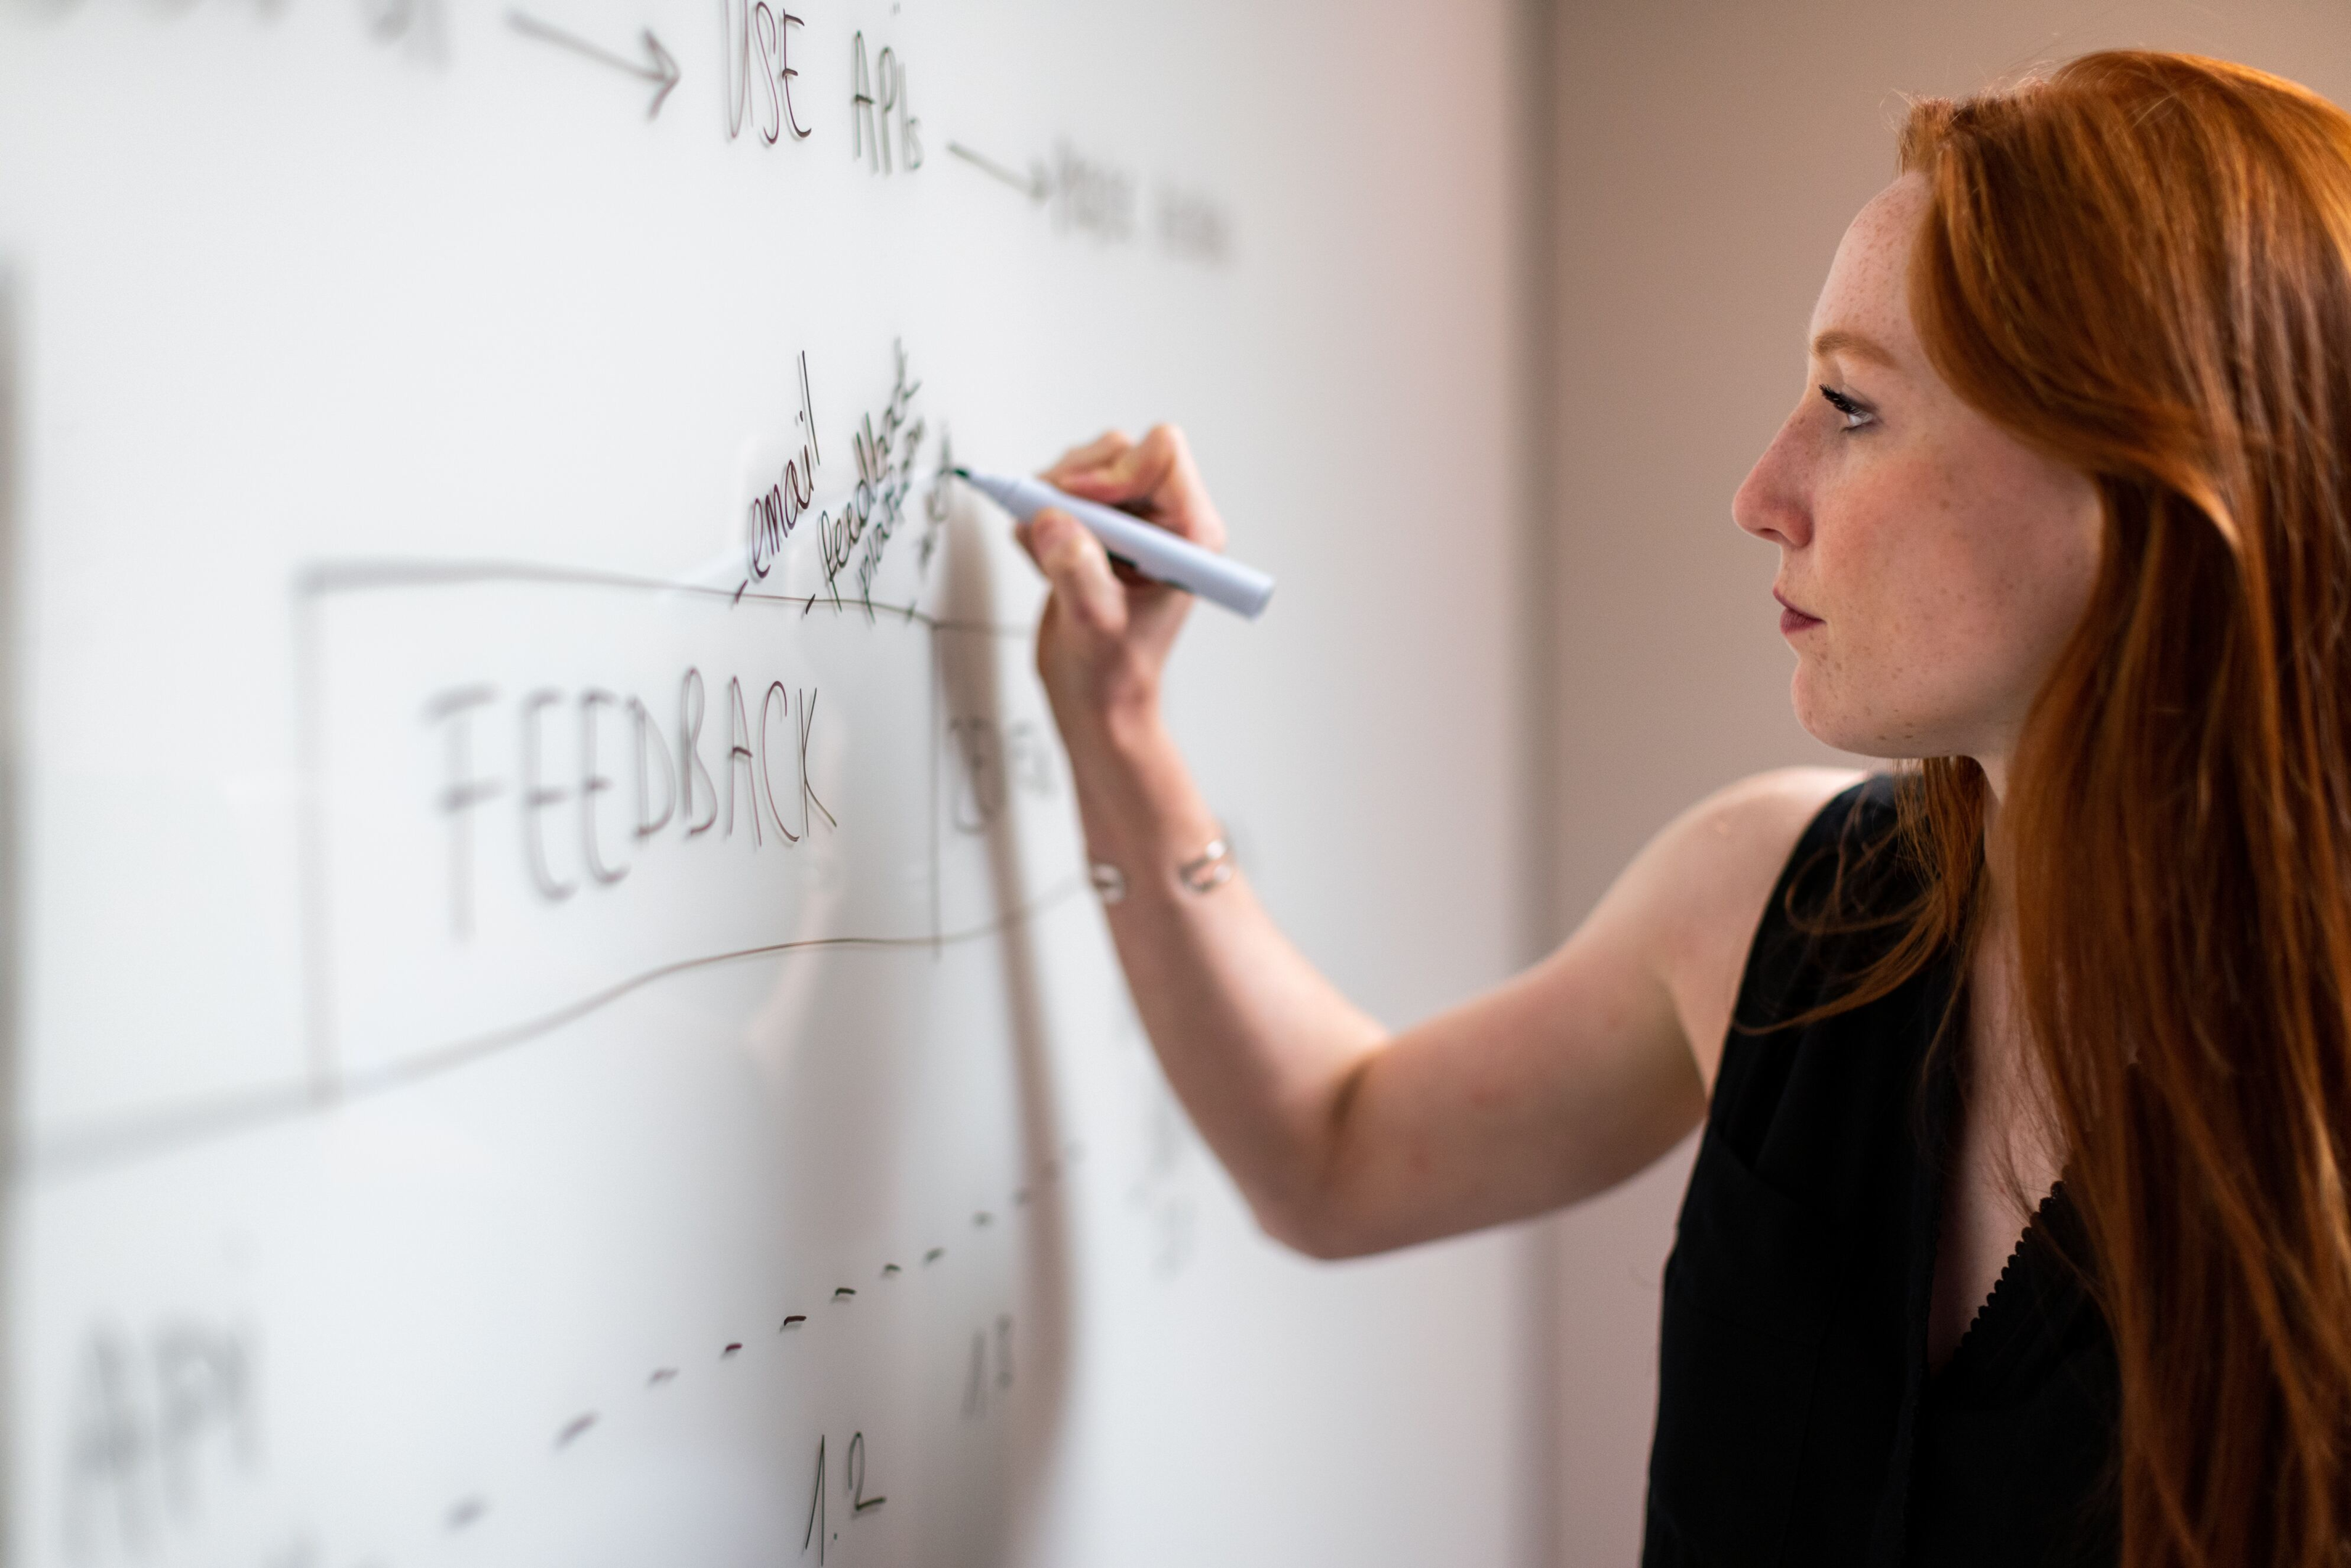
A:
(557, 1017)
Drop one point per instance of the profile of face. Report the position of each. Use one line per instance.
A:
(1931, 563)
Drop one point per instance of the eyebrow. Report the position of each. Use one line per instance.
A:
(1841, 340)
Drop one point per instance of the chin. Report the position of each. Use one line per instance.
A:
(1835, 719)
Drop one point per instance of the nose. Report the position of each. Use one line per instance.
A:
(1771, 503)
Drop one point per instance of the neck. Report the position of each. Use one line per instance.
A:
(1996, 871)
(1995, 772)
(2008, 1078)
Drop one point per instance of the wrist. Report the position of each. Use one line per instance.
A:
(1123, 731)
(1136, 798)
(1196, 874)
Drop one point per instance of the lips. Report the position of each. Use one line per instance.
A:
(1792, 620)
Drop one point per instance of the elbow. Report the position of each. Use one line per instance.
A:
(1315, 1229)
(1311, 1212)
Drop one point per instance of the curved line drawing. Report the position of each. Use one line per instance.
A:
(123, 1143)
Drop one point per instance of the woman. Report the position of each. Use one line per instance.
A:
(2061, 516)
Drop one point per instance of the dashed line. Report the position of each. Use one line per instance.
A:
(467, 1510)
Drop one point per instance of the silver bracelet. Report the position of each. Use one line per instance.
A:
(1210, 870)
(1204, 873)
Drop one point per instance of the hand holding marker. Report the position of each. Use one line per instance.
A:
(1153, 551)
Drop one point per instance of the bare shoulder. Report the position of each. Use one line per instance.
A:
(1752, 824)
(1707, 875)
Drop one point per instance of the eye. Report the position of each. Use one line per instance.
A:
(1853, 414)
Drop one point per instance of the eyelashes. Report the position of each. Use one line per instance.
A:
(1853, 414)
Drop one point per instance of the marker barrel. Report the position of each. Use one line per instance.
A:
(1154, 552)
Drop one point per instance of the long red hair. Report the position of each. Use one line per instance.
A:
(2142, 264)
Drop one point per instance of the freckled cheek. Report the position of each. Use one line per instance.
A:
(2056, 582)
(1861, 585)
(1904, 596)
(2015, 596)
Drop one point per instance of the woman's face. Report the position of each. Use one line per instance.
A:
(1931, 565)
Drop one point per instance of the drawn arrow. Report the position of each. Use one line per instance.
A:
(1037, 184)
(658, 67)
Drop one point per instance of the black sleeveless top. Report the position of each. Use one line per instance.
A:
(1797, 1420)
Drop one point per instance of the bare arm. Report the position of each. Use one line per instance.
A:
(1347, 1139)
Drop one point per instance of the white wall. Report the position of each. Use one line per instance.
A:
(1709, 153)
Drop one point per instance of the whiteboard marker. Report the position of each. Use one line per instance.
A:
(1153, 551)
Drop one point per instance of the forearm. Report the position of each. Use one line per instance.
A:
(1261, 1050)
(1345, 1139)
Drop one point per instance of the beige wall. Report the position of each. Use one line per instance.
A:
(1709, 153)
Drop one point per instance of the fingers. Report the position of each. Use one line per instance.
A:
(1129, 471)
(1102, 449)
(1156, 476)
(1074, 562)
